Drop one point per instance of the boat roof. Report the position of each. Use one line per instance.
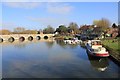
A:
(95, 40)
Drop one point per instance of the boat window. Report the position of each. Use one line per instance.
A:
(96, 43)
(96, 50)
(99, 42)
(92, 43)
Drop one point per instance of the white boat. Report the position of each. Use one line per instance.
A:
(95, 48)
(73, 41)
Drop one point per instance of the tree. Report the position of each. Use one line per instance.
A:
(48, 30)
(40, 31)
(103, 23)
(73, 27)
(19, 30)
(114, 25)
(30, 32)
(95, 22)
(5, 32)
(62, 29)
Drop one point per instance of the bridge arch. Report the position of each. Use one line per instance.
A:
(1, 40)
(45, 37)
(30, 38)
(21, 39)
(11, 39)
(38, 37)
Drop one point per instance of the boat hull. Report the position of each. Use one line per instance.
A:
(104, 54)
(95, 48)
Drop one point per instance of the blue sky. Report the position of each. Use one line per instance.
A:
(37, 15)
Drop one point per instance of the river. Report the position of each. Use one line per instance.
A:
(53, 59)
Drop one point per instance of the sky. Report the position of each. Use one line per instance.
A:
(38, 15)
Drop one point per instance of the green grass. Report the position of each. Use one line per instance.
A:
(63, 37)
(113, 45)
(67, 37)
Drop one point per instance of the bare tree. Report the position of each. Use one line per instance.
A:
(73, 26)
(103, 23)
(5, 32)
(48, 30)
(19, 30)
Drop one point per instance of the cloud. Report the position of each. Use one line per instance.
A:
(7, 25)
(25, 5)
(59, 8)
(52, 7)
(53, 21)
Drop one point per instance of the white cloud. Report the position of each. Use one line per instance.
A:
(7, 25)
(59, 8)
(52, 7)
(25, 5)
(53, 21)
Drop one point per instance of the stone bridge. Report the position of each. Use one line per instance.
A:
(22, 37)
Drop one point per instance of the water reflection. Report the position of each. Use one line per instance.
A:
(22, 44)
(52, 59)
(73, 46)
(63, 45)
(50, 43)
(99, 64)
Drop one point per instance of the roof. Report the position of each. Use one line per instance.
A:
(95, 40)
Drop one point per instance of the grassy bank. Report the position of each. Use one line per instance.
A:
(114, 44)
(113, 47)
(63, 37)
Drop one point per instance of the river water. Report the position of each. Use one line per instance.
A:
(53, 59)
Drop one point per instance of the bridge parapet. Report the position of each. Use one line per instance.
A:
(25, 36)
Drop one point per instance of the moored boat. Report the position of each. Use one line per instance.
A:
(73, 41)
(95, 48)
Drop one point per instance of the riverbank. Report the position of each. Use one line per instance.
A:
(112, 45)
(63, 37)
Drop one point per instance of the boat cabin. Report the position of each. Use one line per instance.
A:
(96, 44)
